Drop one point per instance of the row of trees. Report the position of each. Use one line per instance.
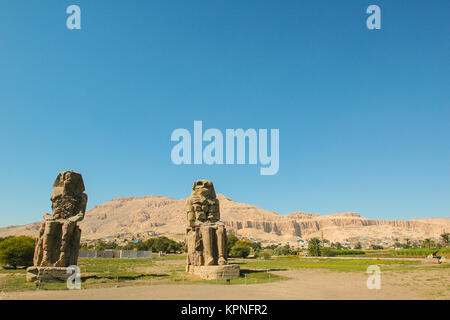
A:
(242, 248)
(19, 251)
(406, 244)
(316, 246)
(163, 244)
(425, 243)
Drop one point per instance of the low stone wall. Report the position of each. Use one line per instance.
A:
(122, 254)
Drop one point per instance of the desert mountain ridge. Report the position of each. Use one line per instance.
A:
(165, 216)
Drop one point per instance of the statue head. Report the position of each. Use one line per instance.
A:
(68, 183)
(204, 188)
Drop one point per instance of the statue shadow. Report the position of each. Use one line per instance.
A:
(258, 270)
(253, 271)
(125, 277)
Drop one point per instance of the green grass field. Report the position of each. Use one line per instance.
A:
(332, 264)
(420, 252)
(122, 272)
(103, 272)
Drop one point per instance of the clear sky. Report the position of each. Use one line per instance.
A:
(363, 114)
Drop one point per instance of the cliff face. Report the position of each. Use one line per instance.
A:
(165, 216)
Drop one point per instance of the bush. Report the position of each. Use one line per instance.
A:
(241, 249)
(264, 254)
(282, 250)
(17, 251)
(327, 252)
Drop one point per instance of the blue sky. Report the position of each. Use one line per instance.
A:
(363, 114)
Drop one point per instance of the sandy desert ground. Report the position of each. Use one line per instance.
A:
(303, 284)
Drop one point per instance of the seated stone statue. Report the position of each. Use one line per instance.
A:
(205, 234)
(58, 243)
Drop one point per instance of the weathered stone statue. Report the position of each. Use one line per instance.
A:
(206, 237)
(58, 243)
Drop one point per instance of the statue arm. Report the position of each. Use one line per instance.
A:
(81, 213)
(190, 216)
(48, 216)
(214, 216)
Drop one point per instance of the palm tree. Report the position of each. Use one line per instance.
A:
(408, 243)
(427, 243)
(445, 238)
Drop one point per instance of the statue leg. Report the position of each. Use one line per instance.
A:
(222, 244)
(38, 251)
(67, 232)
(190, 245)
(49, 243)
(208, 249)
(194, 247)
(75, 246)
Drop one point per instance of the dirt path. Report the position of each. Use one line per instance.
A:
(304, 284)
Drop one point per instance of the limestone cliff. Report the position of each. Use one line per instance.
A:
(165, 216)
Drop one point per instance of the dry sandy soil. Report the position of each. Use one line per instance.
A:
(303, 284)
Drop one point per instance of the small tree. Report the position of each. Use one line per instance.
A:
(256, 246)
(241, 249)
(161, 244)
(231, 241)
(175, 247)
(358, 246)
(314, 247)
(17, 251)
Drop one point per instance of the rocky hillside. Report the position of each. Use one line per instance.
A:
(165, 216)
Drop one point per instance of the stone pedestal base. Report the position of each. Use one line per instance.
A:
(48, 274)
(225, 272)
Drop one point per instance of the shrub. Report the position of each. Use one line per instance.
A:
(327, 252)
(264, 254)
(282, 250)
(17, 251)
(348, 252)
(241, 249)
